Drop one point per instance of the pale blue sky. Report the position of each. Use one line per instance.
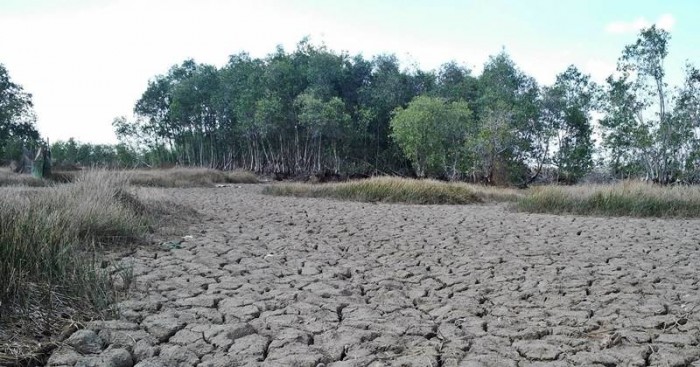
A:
(88, 61)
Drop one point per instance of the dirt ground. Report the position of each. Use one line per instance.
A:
(305, 282)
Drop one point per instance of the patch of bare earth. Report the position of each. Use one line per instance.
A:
(280, 281)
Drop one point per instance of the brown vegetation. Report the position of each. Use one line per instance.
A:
(628, 198)
(50, 262)
(398, 190)
(189, 177)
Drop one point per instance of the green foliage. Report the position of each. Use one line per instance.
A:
(324, 119)
(456, 83)
(289, 113)
(432, 134)
(72, 152)
(567, 109)
(313, 110)
(17, 120)
(686, 116)
(641, 129)
(511, 134)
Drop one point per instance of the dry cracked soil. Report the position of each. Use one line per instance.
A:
(276, 281)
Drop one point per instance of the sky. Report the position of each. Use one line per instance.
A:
(88, 61)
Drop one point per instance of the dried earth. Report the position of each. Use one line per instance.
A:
(305, 282)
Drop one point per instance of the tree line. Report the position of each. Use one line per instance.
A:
(316, 111)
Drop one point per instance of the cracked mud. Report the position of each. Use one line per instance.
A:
(301, 282)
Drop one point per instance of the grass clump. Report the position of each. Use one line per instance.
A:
(189, 177)
(396, 190)
(49, 242)
(9, 178)
(630, 198)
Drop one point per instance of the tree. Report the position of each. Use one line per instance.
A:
(491, 144)
(638, 128)
(456, 83)
(512, 136)
(193, 108)
(17, 120)
(65, 152)
(241, 88)
(567, 109)
(687, 115)
(72, 152)
(387, 89)
(326, 121)
(154, 127)
(432, 132)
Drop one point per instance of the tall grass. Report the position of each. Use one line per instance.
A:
(173, 177)
(9, 178)
(189, 177)
(397, 190)
(629, 198)
(48, 240)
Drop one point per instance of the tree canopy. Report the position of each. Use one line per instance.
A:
(649, 129)
(432, 134)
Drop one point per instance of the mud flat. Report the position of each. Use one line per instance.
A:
(276, 281)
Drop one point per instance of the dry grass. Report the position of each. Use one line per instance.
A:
(9, 178)
(497, 194)
(397, 190)
(189, 177)
(49, 246)
(174, 177)
(630, 198)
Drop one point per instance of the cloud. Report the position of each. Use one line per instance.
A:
(599, 69)
(665, 22)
